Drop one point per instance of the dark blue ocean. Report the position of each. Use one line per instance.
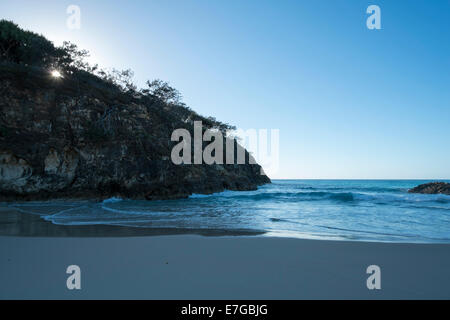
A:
(368, 210)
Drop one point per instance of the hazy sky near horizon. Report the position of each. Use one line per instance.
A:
(349, 102)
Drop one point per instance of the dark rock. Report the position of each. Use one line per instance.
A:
(432, 188)
(70, 138)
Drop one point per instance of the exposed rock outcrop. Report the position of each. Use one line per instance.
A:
(68, 129)
(432, 188)
(79, 139)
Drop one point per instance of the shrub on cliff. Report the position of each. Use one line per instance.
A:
(27, 48)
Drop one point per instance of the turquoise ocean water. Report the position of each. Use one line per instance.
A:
(370, 210)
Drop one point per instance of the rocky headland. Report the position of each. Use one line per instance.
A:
(84, 133)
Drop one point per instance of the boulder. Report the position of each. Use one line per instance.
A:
(432, 188)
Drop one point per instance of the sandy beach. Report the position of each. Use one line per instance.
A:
(222, 150)
(196, 267)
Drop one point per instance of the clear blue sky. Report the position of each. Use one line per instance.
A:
(349, 102)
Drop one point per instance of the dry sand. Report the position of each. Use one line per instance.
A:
(196, 267)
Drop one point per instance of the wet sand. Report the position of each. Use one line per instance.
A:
(14, 223)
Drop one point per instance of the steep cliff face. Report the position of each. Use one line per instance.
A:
(79, 139)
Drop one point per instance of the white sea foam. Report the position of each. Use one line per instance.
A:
(352, 210)
(112, 200)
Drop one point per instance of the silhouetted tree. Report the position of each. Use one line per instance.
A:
(162, 90)
(71, 58)
(18, 46)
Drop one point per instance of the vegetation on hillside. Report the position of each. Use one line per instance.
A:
(31, 51)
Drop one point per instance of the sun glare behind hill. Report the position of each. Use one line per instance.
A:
(56, 74)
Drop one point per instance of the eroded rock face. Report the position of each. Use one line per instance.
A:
(68, 139)
(52, 162)
(14, 172)
(63, 165)
(432, 188)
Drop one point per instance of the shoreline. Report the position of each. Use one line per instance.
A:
(14, 223)
(137, 263)
(19, 224)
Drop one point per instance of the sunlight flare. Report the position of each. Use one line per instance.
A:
(56, 74)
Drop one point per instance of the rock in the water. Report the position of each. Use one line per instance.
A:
(432, 188)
